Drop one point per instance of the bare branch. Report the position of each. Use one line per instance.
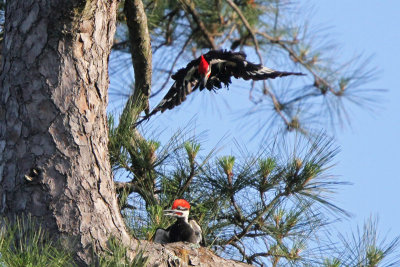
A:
(189, 6)
(273, 202)
(257, 47)
(141, 52)
(318, 79)
(248, 27)
(188, 180)
(128, 187)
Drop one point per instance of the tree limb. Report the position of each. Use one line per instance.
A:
(141, 53)
(273, 202)
(318, 79)
(248, 27)
(277, 106)
(196, 17)
(188, 180)
(128, 187)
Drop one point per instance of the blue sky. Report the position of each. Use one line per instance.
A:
(370, 148)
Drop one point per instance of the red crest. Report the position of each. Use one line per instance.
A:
(180, 202)
(203, 66)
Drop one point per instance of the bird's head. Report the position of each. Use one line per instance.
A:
(204, 71)
(180, 209)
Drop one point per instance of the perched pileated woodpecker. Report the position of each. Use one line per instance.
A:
(210, 71)
(182, 229)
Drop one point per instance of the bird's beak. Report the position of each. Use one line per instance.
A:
(175, 213)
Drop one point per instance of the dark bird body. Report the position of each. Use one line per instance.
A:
(181, 231)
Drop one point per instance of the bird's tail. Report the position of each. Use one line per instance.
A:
(267, 73)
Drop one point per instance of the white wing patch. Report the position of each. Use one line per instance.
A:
(197, 230)
(217, 61)
(263, 70)
(266, 70)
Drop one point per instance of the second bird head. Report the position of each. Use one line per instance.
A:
(180, 209)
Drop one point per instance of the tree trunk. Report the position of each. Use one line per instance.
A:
(53, 145)
(54, 161)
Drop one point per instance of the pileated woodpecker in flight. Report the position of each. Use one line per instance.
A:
(182, 229)
(210, 71)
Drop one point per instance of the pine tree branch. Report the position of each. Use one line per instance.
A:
(141, 53)
(248, 27)
(317, 78)
(265, 254)
(242, 251)
(120, 45)
(128, 187)
(188, 180)
(128, 206)
(273, 202)
(189, 6)
(233, 201)
(277, 106)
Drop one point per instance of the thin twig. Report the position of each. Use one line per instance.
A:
(188, 180)
(128, 187)
(233, 28)
(247, 228)
(196, 17)
(254, 37)
(241, 251)
(248, 27)
(318, 79)
(232, 198)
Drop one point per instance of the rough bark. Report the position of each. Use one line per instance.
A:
(54, 161)
(54, 84)
(183, 254)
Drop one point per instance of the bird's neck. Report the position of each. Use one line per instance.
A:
(184, 218)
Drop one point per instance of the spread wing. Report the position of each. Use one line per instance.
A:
(176, 94)
(226, 64)
(186, 81)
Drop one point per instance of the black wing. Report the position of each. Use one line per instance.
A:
(226, 64)
(186, 81)
(176, 95)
